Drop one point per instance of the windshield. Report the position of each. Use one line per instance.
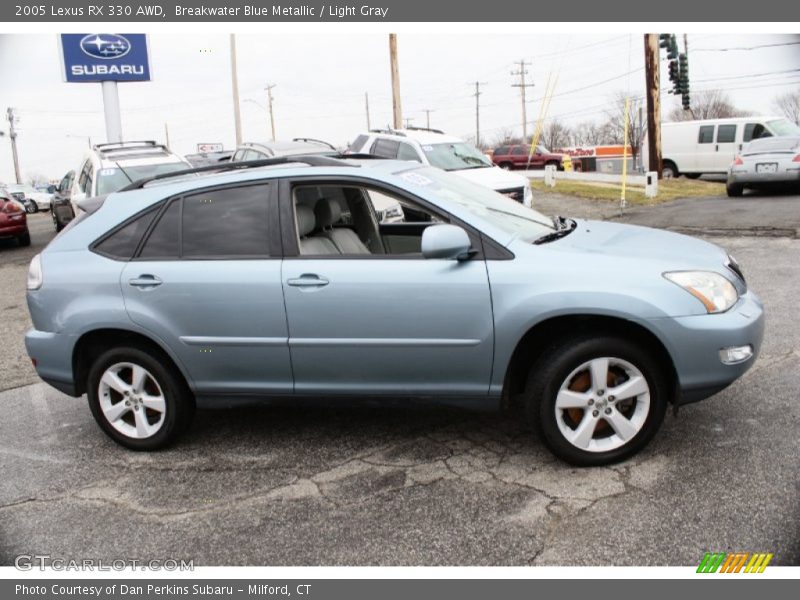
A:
(111, 180)
(783, 127)
(494, 208)
(455, 155)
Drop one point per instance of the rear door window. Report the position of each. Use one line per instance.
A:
(520, 151)
(385, 148)
(706, 135)
(222, 223)
(501, 150)
(726, 134)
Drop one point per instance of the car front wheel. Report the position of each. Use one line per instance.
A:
(596, 400)
(140, 402)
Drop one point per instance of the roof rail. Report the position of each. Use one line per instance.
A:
(311, 160)
(390, 131)
(308, 139)
(138, 145)
(413, 128)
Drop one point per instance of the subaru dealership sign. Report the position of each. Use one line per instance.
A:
(93, 57)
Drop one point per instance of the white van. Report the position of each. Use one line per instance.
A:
(693, 148)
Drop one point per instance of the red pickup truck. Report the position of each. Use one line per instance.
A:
(516, 157)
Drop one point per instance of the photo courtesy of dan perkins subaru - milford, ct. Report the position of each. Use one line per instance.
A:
(275, 278)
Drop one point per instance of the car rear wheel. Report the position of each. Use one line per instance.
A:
(669, 170)
(32, 207)
(56, 223)
(596, 400)
(506, 165)
(24, 239)
(734, 190)
(139, 401)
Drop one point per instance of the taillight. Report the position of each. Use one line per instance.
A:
(11, 208)
(796, 158)
(738, 161)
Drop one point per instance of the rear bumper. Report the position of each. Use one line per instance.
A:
(695, 343)
(14, 229)
(749, 177)
(53, 355)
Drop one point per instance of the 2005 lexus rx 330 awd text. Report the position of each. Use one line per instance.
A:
(276, 279)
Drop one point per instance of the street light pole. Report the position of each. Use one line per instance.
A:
(271, 114)
(397, 110)
(237, 117)
(12, 134)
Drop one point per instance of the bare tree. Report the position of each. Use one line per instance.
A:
(35, 179)
(506, 137)
(788, 105)
(709, 104)
(555, 135)
(590, 133)
(615, 125)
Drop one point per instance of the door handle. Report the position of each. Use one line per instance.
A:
(717, 149)
(145, 281)
(308, 280)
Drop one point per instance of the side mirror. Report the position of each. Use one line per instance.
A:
(446, 241)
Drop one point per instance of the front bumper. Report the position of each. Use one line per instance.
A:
(695, 343)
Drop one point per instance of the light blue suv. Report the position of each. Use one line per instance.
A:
(276, 279)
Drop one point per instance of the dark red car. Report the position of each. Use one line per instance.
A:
(13, 221)
(515, 156)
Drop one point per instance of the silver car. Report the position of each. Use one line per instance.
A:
(771, 161)
(280, 281)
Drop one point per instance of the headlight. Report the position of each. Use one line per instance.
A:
(35, 273)
(712, 289)
(527, 195)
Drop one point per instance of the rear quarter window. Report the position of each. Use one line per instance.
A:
(121, 244)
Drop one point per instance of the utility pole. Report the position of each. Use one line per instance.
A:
(522, 85)
(477, 95)
(366, 107)
(12, 134)
(237, 117)
(427, 112)
(397, 110)
(166, 133)
(408, 121)
(269, 104)
(652, 84)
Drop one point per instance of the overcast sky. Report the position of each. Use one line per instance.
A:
(321, 80)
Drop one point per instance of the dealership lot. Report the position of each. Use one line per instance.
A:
(415, 486)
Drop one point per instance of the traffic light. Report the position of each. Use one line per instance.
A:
(663, 40)
(683, 62)
(674, 76)
(685, 101)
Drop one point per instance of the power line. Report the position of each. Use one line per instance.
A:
(745, 48)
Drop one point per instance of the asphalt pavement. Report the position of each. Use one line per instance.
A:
(403, 486)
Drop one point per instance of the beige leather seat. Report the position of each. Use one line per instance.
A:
(316, 244)
(326, 213)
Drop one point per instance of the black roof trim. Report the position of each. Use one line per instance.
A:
(310, 160)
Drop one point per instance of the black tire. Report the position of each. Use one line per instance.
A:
(692, 175)
(556, 365)
(669, 170)
(179, 402)
(734, 190)
(506, 165)
(24, 239)
(57, 225)
(31, 207)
